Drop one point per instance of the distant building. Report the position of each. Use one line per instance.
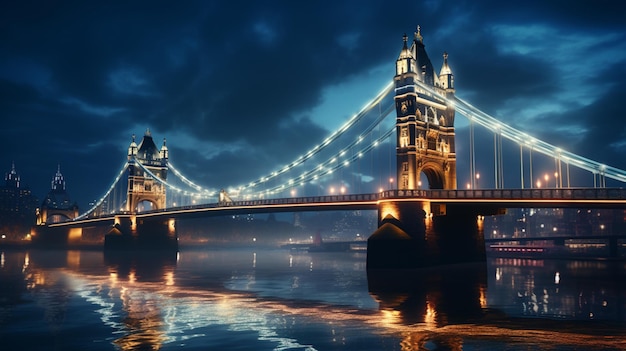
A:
(17, 208)
(57, 205)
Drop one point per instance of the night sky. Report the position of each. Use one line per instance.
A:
(240, 87)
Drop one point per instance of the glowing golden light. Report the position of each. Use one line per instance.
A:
(430, 316)
(388, 208)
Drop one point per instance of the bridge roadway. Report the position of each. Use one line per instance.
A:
(607, 198)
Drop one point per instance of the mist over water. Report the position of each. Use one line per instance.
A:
(246, 299)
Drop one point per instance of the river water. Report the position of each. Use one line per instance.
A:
(271, 299)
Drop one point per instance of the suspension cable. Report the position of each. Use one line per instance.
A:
(517, 136)
(101, 200)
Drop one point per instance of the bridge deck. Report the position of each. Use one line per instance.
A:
(505, 198)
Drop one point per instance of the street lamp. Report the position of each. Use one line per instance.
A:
(390, 183)
(556, 179)
(477, 178)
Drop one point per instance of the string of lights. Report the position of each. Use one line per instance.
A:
(188, 182)
(357, 149)
(523, 139)
(105, 196)
(334, 136)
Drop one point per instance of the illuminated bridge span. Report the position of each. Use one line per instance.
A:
(149, 193)
(500, 198)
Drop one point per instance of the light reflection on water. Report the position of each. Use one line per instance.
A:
(275, 300)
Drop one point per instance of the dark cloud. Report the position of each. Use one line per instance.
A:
(233, 85)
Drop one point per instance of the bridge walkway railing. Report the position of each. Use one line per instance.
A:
(511, 194)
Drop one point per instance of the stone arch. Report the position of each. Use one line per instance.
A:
(435, 174)
(140, 203)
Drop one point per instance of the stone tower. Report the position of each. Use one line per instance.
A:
(144, 191)
(424, 123)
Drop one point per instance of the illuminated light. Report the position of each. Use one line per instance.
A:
(169, 278)
(557, 278)
(342, 153)
(360, 154)
(430, 317)
(375, 143)
(333, 160)
(346, 163)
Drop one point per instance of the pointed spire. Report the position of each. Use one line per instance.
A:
(12, 179)
(418, 34)
(164, 153)
(148, 132)
(445, 69)
(132, 148)
(58, 183)
(405, 53)
(445, 75)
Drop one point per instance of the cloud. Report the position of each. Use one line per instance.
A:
(239, 88)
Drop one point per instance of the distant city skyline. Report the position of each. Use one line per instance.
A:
(239, 89)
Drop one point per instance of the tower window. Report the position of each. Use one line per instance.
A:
(404, 137)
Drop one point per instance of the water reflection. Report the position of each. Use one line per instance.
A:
(144, 324)
(436, 297)
(572, 290)
(543, 304)
(249, 299)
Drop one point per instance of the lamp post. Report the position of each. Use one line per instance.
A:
(556, 179)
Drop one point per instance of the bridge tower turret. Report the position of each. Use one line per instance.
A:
(424, 123)
(143, 189)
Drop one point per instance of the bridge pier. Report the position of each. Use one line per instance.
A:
(132, 233)
(45, 236)
(419, 233)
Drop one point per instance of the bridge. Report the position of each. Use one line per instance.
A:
(423, 216)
